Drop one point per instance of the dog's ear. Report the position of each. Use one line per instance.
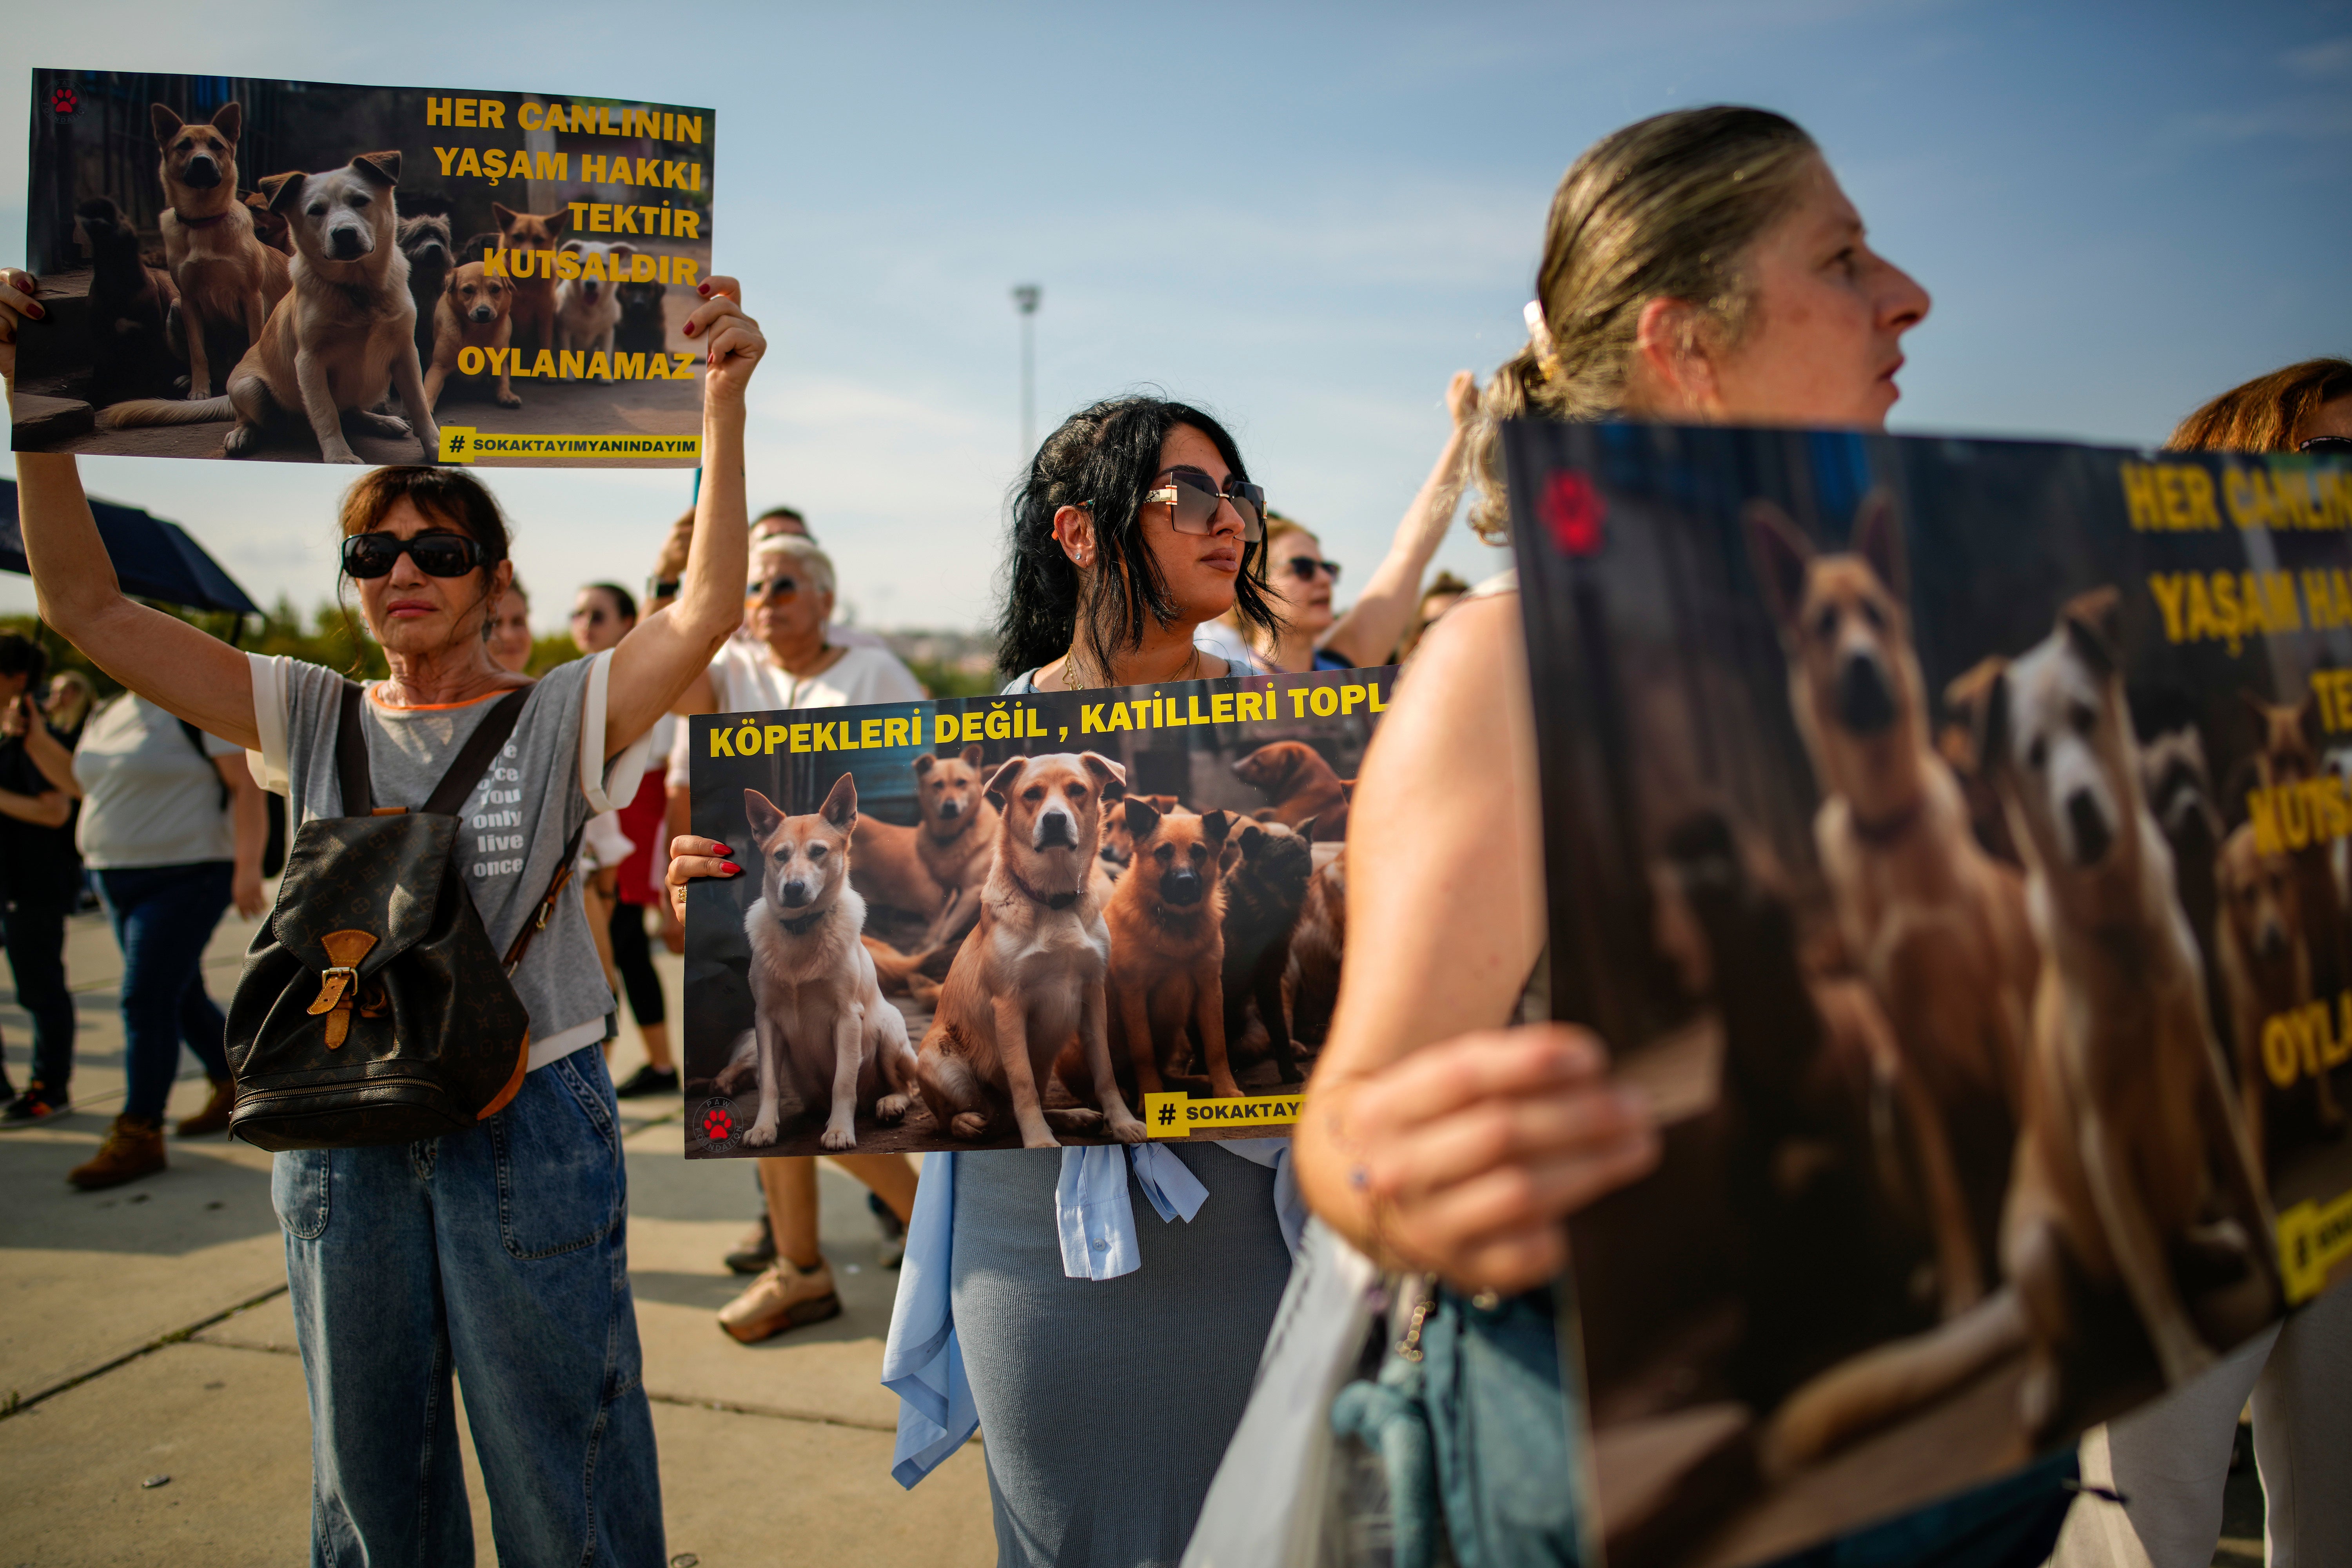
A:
(1215, 824)
(924, 765)
(1142, 818)
(1782, 555)
(1962, 696)
(2094, 624)
(378, 168)
(840, 808)
(167, 124)
(1252, 836)
(762, 814)
(1346, 789)
(999, 787)
(974, 756)
(1110, 777)
(1305, 830)
(576, 247)
(1987, 715)
(557, 222)
(284, 191)
(1878, 539)
(2260, 709)
(615, 252)
(503, 215)
(229, 120)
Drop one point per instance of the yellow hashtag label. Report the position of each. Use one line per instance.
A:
(1180, 1115)
(2312, 1241)
(463, 444)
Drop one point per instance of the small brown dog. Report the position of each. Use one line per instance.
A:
(1168, 947)
(475, 310)
(2289, 757)
(1030, 977)
(2265, 971)
(822, 1027)
(1117, 844)
(1299, 784)
(937, 867)
(226, 275)
(1266, 890)
(1317, 943)
(534, 302)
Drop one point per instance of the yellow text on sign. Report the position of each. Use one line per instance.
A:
(462, 443)
(2312, 1241)
(1180, 1115)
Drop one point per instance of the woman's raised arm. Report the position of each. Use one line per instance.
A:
(661, 657)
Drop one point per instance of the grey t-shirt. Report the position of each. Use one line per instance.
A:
(550, 777)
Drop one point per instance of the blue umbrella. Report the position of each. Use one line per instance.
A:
(154, 559)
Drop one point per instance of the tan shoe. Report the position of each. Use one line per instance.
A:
(214, 1117)
(781, 1298)
(133, 1148)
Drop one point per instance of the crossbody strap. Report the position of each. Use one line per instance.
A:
(351, 753)
(474, 760)
(537, 922)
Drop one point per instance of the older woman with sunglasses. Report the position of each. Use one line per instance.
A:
(1300, 583)
(1105, 1356)
(500, 1254)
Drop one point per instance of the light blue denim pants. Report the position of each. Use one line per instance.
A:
(501, 1255)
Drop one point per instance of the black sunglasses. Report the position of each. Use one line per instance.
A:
(437, 553)
(784, 587)
(1304, 568)
(2328, 444)
(1191, 497)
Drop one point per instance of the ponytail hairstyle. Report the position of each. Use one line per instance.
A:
(1103, 458)
(1666, 208)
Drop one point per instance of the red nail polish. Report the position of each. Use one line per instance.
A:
(34, 310)
(721, 850)
(689, 329)
(731, 867)
(703, 290)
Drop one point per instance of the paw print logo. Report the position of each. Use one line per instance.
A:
(1573, 510)
(64, 100)
(717, 1121)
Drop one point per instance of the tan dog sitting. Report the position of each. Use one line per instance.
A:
(1117, 844)
(540, 234)
(1936, 926)
(2265, 971)
(823, 1027)
(225, 274)
(937, 867)
(475, 311)
(1300, 787)
(1168, 948)
(1030, 977)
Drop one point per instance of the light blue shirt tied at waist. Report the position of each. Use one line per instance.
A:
(1095, 1220)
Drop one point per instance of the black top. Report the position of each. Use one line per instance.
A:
(37, 865)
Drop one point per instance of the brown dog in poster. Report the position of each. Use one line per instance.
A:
(1030, 977)
(1117, 844)
(937, 867)
(823, 1027)
(540, 234)
(475, 311)
(225, 275)
(1168, 948)
(1937, 927)
(1300, 787)
(2265, 973)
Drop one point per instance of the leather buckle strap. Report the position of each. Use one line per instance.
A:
(339, 984)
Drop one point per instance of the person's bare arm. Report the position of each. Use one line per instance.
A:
(1368, 633)
(49, 754)
(665, 650)
(1424, 1145)
(698, 698)
(249, 817)
(48, 809)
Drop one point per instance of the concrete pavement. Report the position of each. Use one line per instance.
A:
(144, 1332)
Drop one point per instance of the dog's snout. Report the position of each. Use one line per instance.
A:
(1054, 829)
(2089, 823)
(348, 243)
(951, 809)
(1865, 696)
(795, 892)
(1181, 885)
(201, 172)
(2270, 941)
(484, 314)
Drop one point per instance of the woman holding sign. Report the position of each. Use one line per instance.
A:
(498, 1254)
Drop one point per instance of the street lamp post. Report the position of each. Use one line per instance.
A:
(1025, 300)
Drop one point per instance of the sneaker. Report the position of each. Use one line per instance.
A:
(37, 1104)
(781, 1298)
(891, 1250)
(755, 1251)
(648, 1079)
(214, 1117)
(133, 1148)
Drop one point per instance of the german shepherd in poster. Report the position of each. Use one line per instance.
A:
(1951, 837)
(309, 272)
(1025, 921)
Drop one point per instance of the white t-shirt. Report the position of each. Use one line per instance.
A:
(744, 679)
(148, 799)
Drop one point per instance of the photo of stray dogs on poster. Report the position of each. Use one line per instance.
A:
(309, 272)
(1057, 918)
(1950, 838)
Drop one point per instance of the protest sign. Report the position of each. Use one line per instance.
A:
(1945, 834)
(1066, 917)
(237, 267)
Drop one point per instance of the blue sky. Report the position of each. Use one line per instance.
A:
(1305, 218)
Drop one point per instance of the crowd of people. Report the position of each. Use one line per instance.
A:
(1699, 266)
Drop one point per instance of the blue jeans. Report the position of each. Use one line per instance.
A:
(36, 935)
(163, 916)
(500, 1255)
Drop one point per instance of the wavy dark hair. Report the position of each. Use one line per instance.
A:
(1103, 458)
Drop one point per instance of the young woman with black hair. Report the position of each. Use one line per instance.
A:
(1105, 1356)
